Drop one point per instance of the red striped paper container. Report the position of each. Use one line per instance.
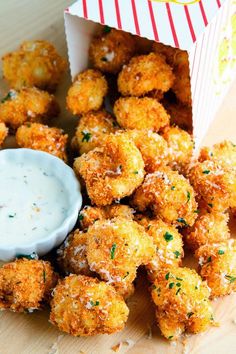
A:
(205, 28)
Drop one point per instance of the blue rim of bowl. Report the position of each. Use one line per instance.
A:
(75, 203)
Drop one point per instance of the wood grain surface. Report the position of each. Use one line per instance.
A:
(32, 333)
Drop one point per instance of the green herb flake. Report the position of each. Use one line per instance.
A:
(177, 291)
(81, 217)
(106, 29)
(206, 172)
(171, 285)
(170, 337)
(7, 97)
(221, 252)
(178, 285)
(179, 279)
(136, 172)
(154, 287)
(212, 318)
(197, 211)
(189, 314)
(230, 278)
(168, 237)
(173, 188)
(167, 276)
(96, 303)
(127, 273)
(113, 249)
(86, 136)
(210, 205)
(188, 196)
(177, 254)
(182, 221)
(196, 287)
(12, 215)
(44, 276)
(27, 256)
(209, 259)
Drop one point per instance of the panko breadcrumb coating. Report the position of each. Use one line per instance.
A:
(84, 306)
(90, 214)
(40, 137)
(116, 248)
(35, 63)
(180, 114)
(182, 301)
(140, 113)
(209, 228)
(144, 74)
(111, 50)
(181, 146)
(169, 195)
(168, 242)
(224, 151)
(87, 92)
(3, 133)
(92, 129)
(215, 183)
(27, 105)
(152, 146)
(72, 256)
(218, 267)
(25, 284)
(111, 172)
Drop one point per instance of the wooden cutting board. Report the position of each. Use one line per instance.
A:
(32, 333)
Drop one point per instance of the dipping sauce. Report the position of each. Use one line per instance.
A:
(32, 203)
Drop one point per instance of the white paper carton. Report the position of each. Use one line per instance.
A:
(205, 28)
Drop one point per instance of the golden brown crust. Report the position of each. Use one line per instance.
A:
(40, 137)
(3, 132)
(83, 306)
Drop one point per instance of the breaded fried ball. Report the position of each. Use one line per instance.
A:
(181, 146)
(215, 183)
(27, 105)
(111, 172)
(140, 113)
(87, 92)
(84, 306)
(72, 257)
(40, 137)
(25, 284)
(144, 74)
(116, 248)
(90, 214)
(168, 242)
(35, 63)
(92, 129)
(182, 301)
(152, 146)
(224, 151)
(111, 50)
(209, 228)
(218, 267)
(3, 133)
(169, 195)
(180, 115)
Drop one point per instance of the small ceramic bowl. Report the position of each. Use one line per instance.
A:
(55, 167)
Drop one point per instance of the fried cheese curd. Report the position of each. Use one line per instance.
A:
(111, 172)
(84, 306)
(215, 183)
(110, 50)
(87, 92)
(92, 129)
(218, 267)
(3, 132)
(116, 248)
(27, 105)
(90, 214)
(182, 301)
(37, 136)
(26, 284)
(169, 195)
(35, 63)
(180, 114)
(181, 146)
(168, 243)
(210, 227)
(140, 113)
(145, 73)
(152, 146)
(72, 255)
(224, 151)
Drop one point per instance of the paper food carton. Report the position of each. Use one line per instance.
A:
(205, 28)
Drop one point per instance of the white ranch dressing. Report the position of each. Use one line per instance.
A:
(32, 203)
